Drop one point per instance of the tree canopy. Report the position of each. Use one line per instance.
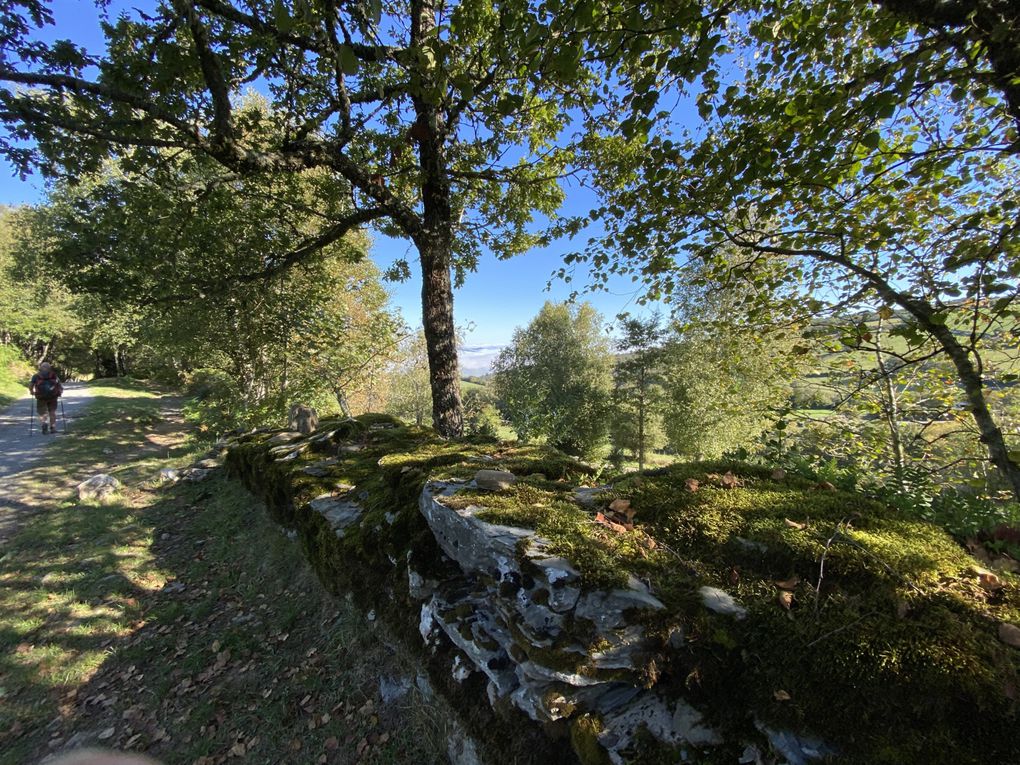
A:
(555, 378)
(876, 167)
(448, 125)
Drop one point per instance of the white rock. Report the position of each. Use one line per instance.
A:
(98, 487)
(721, 602)
(494, 480)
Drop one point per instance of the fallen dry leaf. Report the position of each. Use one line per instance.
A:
(619, 505)
(1009, 634)
(788, 584)
(778, 474)
(795, 525)
(785, 599)
(331, 743)
(295, 745)
(989, 581)
(692, 485)
(781, 696)
(601, 519)
(730, 481)
(108, 733)
(825, 486)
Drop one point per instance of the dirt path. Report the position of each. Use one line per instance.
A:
(20, 451)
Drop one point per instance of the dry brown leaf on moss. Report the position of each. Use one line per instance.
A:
(989, 581)
(788, 584)
(692, 485)
(781, 695)
(825, 486)
(785, 599)
(602, 520)
(620, 505)
(730, 481)
(795, 525)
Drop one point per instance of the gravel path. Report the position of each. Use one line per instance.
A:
(19, 451)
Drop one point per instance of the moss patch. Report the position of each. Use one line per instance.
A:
(888, 649)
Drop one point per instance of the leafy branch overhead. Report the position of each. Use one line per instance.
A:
(448, 126)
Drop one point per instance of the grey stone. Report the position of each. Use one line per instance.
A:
(418, 587)
(672, 722)
(461, 671)
(461, 749)
(605, 609)
(750, 544)
(210, 463)
(627, 649)
(588, 496)
(478, 547)
(393, 689)
(557, 570)
(319, 469)
(721, 602)
(798, 750)
(751, 756)
(169, 475)
(339, 512)
(285, 437)
(494, 480)
(485, 647)
(98, 488)
(195, 474)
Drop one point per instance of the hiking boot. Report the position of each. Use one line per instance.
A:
(45, 428)
(53, 430)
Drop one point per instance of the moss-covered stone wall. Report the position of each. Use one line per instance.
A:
(711, 613)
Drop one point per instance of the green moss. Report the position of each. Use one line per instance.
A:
(584, 739)
(892, 655)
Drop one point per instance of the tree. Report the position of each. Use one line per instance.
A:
(638, 387)
(37, 313)
(142, 252)
(724, 384)
(408, 394)
(555, 379)
(874, 168)
(440, 123)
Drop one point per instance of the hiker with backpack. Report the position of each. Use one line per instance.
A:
(46, 387)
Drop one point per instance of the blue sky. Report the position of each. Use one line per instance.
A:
(500, 296)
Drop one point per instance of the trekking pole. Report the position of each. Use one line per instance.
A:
(31, 418)
(63, 415)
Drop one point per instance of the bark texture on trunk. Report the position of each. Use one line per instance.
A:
(435, 243)
(890, 406)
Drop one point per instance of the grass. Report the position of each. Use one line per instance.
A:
(180, 621)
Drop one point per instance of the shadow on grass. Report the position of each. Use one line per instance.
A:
(181, 622)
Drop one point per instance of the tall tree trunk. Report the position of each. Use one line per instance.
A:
(890, 407)
(641, 420)
(966, 370)
(435, 244)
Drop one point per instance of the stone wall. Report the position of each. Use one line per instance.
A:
(545, 662)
